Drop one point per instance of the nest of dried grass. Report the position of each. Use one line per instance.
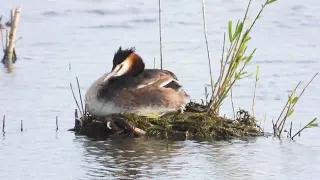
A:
(194, 123)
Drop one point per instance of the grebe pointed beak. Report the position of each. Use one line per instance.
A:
(120, 69)
(113, 73)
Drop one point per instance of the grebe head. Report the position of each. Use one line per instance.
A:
(126, 62)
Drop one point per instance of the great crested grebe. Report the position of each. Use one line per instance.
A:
(129, 88)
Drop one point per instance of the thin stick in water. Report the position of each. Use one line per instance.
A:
(21, 126)
(206, 94)
(274, 128)
(75, 99)
(290, 132)
(3, 123)
(300, 128)
(206, 39)
(80, 95)
(234, 114)
(57, 127)
(160, 34)
(254, 91)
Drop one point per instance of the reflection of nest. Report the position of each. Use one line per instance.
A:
(191, 124)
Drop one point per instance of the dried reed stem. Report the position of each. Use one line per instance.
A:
(306, 86)
(231, 97)
(218, 83)
(80, 95)
(75, 99)
(160, 34)
(254, 91)
(290, 132)
(206, 40)
(274, 126)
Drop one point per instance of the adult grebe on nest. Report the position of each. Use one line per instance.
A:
(129, 88)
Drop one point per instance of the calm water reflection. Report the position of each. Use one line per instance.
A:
(86, 33)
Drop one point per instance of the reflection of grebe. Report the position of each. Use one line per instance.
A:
(129, 88)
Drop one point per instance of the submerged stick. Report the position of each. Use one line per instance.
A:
(75, 99)
(160, 34)
(21, 126)
(274, 126)
(80, 95)
(206, 40)
(57, 127)
(3, 123)
(15, 15)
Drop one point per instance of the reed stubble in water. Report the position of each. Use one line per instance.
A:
(3, 123)
(21, 127)
(9, 52)
(57, 126)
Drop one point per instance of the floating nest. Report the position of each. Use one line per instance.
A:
(193, 123)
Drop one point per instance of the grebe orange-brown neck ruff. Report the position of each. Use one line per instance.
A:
(129, 88)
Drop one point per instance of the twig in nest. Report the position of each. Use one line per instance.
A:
(80, 96)
(75, 99)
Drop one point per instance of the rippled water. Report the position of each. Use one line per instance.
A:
(84, 34)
